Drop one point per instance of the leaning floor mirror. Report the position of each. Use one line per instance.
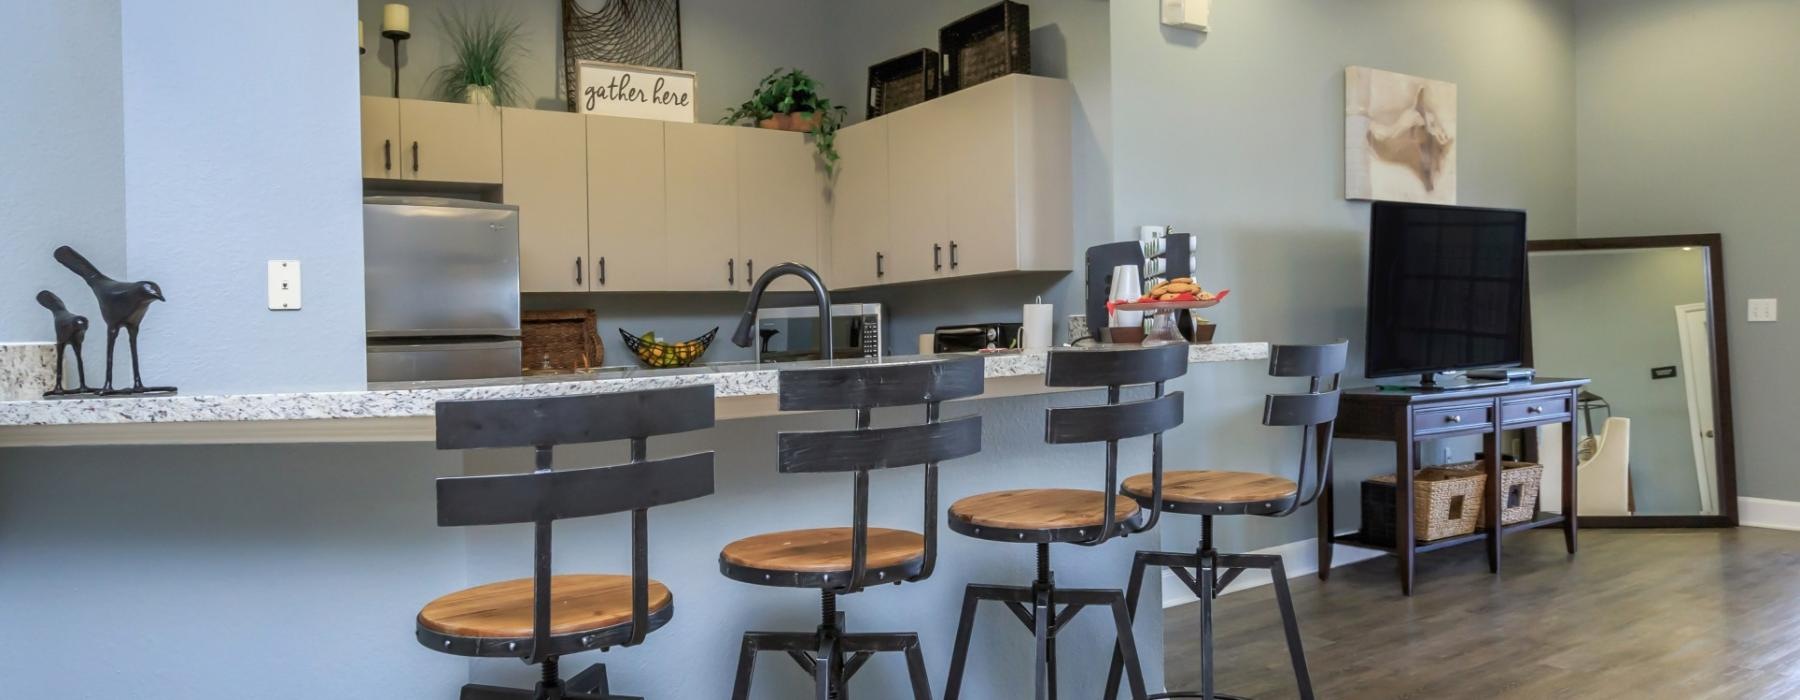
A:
(1640, 316)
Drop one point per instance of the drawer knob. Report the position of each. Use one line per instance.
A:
(1452, 419)
(1535, 409)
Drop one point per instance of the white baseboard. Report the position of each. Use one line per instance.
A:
(1299, 558)
(1769, 513)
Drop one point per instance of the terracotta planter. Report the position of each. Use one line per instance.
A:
(798, 121)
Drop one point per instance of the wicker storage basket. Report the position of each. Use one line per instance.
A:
(1446, 503)
(1519, 482)
(567, 340)
(986, 45)
(904, 81)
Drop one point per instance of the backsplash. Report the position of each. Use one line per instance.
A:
(26, 370)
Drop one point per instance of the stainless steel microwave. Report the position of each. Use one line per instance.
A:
(791, 334)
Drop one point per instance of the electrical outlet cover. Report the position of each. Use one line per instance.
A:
(1762, 311)
(284, 285)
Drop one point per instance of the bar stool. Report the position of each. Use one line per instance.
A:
(1045, 516)
(1210, 493)
(844, 560)
(545, 617)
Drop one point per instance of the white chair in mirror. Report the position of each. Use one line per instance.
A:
(1604, 479)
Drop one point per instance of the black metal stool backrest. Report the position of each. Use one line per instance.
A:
(1116, 368)
(863, 389)
(544, 495)
(1314, 412)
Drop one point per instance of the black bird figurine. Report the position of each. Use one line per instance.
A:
(122, 306)
(70, 331)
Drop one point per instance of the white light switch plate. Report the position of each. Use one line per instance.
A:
(284, 285)
(1762, 311)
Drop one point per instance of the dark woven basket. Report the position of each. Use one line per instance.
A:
(904, 81)
(1378, 511)
(986, 45)
(566, 340)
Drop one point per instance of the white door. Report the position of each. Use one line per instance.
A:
(1696, 360)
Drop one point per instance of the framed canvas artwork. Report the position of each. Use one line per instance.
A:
(1399, 137)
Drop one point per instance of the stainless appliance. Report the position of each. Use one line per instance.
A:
(976, 336)
(441, 288)
(788, 334)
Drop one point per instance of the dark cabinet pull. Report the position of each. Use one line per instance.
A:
(578, 267)
(749, 269)
(936, 262)
(878, 271)
(415, 156)
(731, 272)
(387, 154)
(600, 275)
(953, 262)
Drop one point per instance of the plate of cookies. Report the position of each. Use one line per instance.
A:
(1178, 293)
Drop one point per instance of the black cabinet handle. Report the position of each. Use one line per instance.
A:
(953, 262)
(600, 275)
(936, 263)
(415, 156)
(731, 272)
(749, 269)
(387, 154)
(879, 273)
(578, 267)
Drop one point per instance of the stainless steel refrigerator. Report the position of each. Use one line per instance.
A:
(441, 283)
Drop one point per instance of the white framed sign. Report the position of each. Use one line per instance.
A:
(619, 90)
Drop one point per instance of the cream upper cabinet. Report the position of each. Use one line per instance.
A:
(627, 205)
(858, 207)
(544, 172)
(780, 196)
(1009, 182)
(917, 192)
(449, 142)
(702, 247)
(381, 137)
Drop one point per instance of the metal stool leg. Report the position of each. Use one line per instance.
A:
(1285, 600)
(915, 670)
(959, 654)
(1139, 563)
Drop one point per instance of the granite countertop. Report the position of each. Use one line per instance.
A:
(419, 399)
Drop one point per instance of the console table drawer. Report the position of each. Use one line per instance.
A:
(1464, 418)
(1542, 408)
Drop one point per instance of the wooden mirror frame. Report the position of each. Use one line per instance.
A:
(1712, 245)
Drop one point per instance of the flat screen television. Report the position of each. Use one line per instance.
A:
(1447, 289)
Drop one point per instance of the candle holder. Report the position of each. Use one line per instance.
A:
(396, 36)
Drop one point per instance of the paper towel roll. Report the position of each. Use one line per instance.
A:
(927, 343)
(1039, 324)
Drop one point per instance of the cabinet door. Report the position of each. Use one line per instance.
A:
(917, 195)
(779, 198)
(544, 166)
(859, 199)
(981, 177)
(448, 142)
(702, 247)
(381, 137)
(627, 204)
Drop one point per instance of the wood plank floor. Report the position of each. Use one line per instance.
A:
(1637, 614)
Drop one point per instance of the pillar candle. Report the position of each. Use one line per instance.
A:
(396, 17)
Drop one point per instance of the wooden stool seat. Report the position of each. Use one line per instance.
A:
(1208, 492)
(581, 605)
(809, 558)
(1041, 515)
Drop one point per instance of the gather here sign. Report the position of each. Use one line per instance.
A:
(618, 90)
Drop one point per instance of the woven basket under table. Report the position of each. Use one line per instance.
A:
(1446, 502)
(1519, 484)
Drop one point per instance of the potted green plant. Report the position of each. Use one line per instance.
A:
(790, 100)
(486, 48)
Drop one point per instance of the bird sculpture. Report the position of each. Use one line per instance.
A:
(122, 307)
(71, 329)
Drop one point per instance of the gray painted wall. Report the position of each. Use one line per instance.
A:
(1611, 317)
(230, 163)
(1238, 136)
(62, 179)
(1686, 118)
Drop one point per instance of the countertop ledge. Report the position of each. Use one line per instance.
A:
(29, 422)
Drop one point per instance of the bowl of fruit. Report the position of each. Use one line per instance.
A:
(657, 354)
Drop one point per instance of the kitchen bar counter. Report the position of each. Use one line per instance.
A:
(404, 412)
